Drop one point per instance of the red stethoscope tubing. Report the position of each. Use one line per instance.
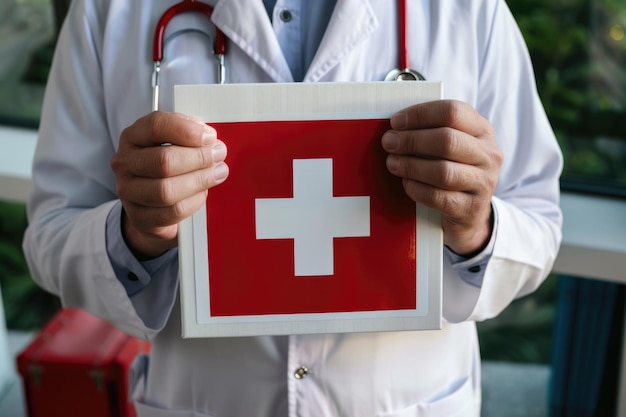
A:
(219, 46)
(403, 53)
(183, 7)
(403, 72)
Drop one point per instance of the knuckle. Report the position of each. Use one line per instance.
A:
(161, 218)
(490, 182)
(123, 189)
(447, 175)
(120, 190)
(490, 176)
(119, 164)
(497, 156)
(115, 164)
(204, 156)
(449, 142)
(125, 135)
(140, 217)
(489, 130)
(436, 199)
(178, 210)
(448, 203)
(203, 180)
(419, 114)
(165, 163)
(157, 122)
(450, 112)
(164, 192)
(409, 168)
(411, 189)
(410, 142)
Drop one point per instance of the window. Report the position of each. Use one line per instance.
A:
(578, 49)
(27, 35)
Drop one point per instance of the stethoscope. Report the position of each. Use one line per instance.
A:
(219, 46)
(402, 73)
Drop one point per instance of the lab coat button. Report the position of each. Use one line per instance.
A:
(285, 15)
(301, 372)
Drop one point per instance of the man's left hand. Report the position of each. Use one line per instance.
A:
(447, 156)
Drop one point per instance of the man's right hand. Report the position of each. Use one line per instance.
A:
(160, 185)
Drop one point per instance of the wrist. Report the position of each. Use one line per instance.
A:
(471, 243)
(143, 246)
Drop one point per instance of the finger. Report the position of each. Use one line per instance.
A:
(441, 174)
(451, 204)
(158, 128)
(461, 215)
(442, 113)
(441, 143)
(169, 161)
(150, 219)
(466, 219)
(167, 192)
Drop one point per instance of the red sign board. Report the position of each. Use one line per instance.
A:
(251, 276)
(310, 233)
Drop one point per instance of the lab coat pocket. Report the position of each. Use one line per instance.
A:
(459, 403)
(144, 410)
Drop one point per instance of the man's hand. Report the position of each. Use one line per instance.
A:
(448, 158)
(160, 185)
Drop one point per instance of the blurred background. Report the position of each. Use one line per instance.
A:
(578, 48)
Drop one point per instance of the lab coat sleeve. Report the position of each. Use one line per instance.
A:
(135, 275)
(528, 227)
(74, 186)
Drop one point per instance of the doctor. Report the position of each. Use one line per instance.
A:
(107, 197)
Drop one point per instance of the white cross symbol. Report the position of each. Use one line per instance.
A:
(313, 217)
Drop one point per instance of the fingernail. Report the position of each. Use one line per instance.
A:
(220, 172)
(398, 120)
(393, 163)
(390, 141)
(208, 135)
(218, 152)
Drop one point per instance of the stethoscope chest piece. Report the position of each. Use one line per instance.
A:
(406, 74)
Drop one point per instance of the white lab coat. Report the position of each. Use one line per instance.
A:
(101, 82)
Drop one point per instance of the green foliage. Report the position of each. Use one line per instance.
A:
(565, 39)
(26, 306)
(581, 78)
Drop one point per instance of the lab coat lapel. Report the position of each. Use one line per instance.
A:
(351, 23)
(246, 24)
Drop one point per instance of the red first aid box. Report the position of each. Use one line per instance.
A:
(79, 365)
